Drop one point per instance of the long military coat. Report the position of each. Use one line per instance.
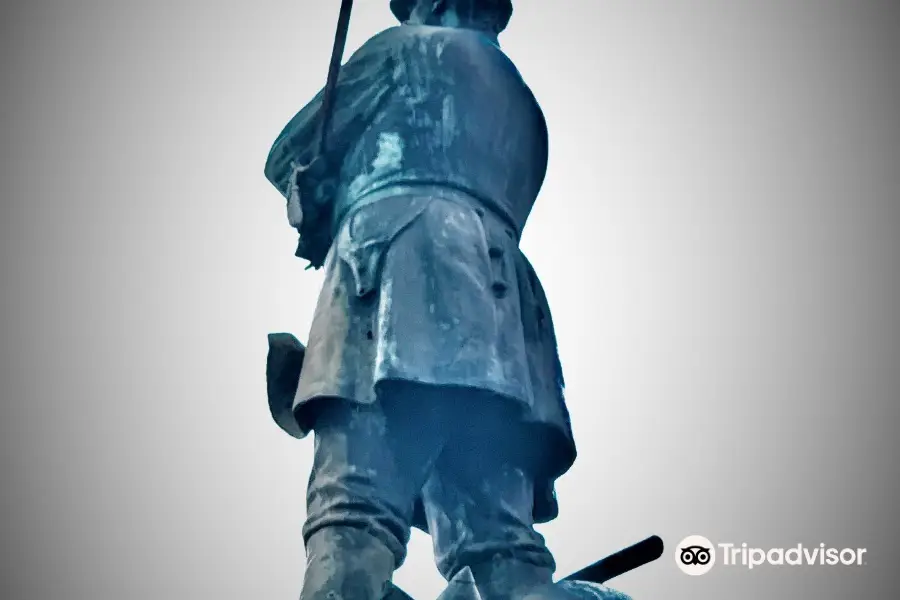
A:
(436, 154)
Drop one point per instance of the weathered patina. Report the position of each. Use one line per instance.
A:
(431, 375)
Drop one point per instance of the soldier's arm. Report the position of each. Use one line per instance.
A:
(363, 83)
(305, 173)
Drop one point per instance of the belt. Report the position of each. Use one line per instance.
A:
(444, 192)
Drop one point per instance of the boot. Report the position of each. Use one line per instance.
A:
(575, 590)
(461, 587)
(346, 563)
(508, 578)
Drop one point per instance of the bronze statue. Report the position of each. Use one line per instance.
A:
(431, 378)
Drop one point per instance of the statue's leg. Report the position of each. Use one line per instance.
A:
(367, 472)
(479, 509)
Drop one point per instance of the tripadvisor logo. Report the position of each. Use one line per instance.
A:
(696, 555)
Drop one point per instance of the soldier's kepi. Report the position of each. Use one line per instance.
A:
(431, 377)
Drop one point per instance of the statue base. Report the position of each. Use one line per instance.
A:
(586, 584)
(462, 587)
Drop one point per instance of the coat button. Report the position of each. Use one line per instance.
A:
(500, 289)
(495, 252)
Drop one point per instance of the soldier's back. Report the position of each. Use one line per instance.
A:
(453, 110)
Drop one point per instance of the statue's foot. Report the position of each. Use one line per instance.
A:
(575, 590)
(508, 579)
(461, 587)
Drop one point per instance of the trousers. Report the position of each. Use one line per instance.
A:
(372, 461)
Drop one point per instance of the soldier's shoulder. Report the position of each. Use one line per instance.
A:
(430, 36)
(392, 36)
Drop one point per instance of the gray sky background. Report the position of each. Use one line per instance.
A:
(718, 236)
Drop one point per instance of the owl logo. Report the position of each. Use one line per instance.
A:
(695, 555)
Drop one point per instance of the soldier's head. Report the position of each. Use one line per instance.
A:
(488, 16)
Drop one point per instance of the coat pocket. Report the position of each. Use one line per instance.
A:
(368, 233)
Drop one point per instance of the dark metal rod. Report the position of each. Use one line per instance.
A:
(334, 67)
(621, 562)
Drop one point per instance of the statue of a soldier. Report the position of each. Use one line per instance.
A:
(431, 377)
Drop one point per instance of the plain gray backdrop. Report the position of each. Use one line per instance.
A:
(718, 236)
